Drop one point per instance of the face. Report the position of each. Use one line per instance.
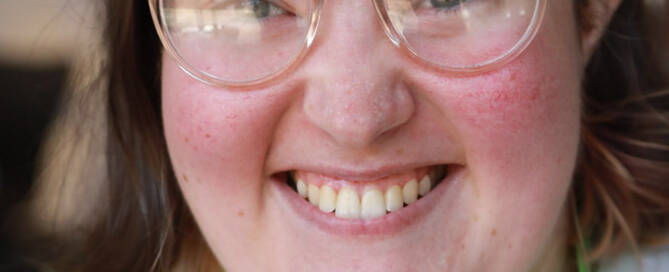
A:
(363, 118)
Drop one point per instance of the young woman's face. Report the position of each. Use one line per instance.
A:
(357, 113)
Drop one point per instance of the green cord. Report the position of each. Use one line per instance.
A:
(582, 264)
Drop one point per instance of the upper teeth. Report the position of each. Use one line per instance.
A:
(346, 203)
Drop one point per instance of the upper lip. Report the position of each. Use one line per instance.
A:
(367, 164)
(359, 172)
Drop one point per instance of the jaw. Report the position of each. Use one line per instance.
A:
(458, 233)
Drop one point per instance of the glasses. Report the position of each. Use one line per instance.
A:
(245, 42)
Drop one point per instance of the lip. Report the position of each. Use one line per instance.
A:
(362, 175)
(390, 224)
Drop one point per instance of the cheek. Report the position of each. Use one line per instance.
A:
(525, 115)
(217, 139)
(521, 131)
(519, 128)
(525, 118)
(521, 107)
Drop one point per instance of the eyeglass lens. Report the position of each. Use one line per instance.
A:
(246, 40)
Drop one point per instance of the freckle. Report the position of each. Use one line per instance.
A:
(207, 135)
(400, 151)
(493, 232)
(185, 178)
(513, 77)
(240, 213)
(186, 139)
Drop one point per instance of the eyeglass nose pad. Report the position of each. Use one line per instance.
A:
(379, 5)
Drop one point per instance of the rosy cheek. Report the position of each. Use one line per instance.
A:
(536, 95)
(215, 137)
(503, 102)
(519, 125)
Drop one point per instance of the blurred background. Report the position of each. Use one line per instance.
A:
(43, 47)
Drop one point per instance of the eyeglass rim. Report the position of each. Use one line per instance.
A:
(314, 20)
(487, 65)
(159, 19)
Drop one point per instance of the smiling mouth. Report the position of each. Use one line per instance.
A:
(365, 199)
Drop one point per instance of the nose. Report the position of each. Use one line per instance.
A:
(355, 91)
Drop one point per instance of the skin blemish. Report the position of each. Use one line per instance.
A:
(240, 213)
(185, 178)
(207, 135)
(232, 117)
(503, 97)
(493, 232)
(186, 140)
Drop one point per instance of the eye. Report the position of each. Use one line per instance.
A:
(439, 5)
(445, 4)
(265, 8)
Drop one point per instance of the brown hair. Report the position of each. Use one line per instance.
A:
(620, 194)
(621, 189)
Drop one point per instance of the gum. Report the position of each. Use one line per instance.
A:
(362, 185)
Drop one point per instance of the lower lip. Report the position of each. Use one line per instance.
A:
(390, 224)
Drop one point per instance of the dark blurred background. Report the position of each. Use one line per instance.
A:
(42, 45)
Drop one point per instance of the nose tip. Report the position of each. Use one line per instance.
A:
(356, 115)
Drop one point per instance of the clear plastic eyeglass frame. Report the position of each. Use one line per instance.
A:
(313, 20)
